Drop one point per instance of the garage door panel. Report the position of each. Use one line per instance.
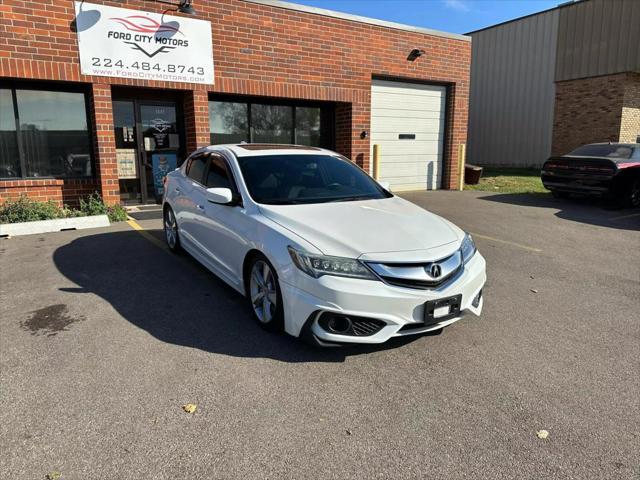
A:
(406, 114)
(413, 158)
(405, 125)
(407, 186)
(430, 153)
(403, 88)
(384, 137)
(421, 169)
(399, 108)
(404, 169)
(412, 104)
(393, 145)
(420, 166)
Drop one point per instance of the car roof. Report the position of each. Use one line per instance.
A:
(614, 144)
(259, 149)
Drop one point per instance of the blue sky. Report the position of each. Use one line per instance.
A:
(457, 16)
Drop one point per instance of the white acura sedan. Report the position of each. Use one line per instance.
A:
(318, 247)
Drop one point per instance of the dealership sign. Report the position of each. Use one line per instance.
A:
(117, 42)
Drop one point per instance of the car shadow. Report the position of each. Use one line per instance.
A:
(180, 302)
(592, 211)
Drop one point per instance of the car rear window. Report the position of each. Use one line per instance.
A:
(611, 151)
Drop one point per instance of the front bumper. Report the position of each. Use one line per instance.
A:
(306, 298)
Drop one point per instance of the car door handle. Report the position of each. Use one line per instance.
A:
(200, 207)
(177, 190)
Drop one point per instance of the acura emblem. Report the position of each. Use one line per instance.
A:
(435, 271)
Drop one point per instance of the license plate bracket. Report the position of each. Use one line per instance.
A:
(435, 310)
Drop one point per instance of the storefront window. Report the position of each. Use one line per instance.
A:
(54, 134)
(228, 122)
(235, 122)
(9, 155)
(271, 123)
(308, 126)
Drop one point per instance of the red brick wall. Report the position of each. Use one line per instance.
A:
(587, 110)
(196, 115)
(258, 50)
(64, 192)
(101, 108)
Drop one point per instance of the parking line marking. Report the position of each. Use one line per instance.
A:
(507, 242)
(625, 216)
(138, 228)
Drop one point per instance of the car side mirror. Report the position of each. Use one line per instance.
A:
(221, 196)
(385, 185)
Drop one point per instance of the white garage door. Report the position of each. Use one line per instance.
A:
(407, 123)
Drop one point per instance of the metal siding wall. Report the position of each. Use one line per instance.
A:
(598, 37)
(512, 92)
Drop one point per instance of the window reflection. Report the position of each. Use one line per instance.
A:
(54, 134)
(308, 126)
(228, 122)
(124, 124)
(9, 157)
(271, 123)
(235, 122)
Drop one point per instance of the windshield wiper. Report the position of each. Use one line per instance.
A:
(349, 199)
(282, 202)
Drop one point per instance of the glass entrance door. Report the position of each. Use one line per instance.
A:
(148, 146)
(161, 143)
(124, 122)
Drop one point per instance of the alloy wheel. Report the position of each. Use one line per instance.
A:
(170, 228)
(262, 288)
(634, 196)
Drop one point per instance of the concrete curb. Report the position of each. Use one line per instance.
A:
(46, 226)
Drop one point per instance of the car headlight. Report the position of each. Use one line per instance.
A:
(468, 248)
(318, 265)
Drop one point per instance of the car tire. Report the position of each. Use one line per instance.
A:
(632, 197)
(171, 235)
(264, 295)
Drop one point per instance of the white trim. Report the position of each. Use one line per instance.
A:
(358, 18)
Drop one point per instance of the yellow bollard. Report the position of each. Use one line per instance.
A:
(376, 161)
(462, 152)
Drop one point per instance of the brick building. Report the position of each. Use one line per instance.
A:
(593, 109)
(547, 83)
(282, 73)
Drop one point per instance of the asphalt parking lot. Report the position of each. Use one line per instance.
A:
(105, 335)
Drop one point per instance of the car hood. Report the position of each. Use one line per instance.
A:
(358, 229)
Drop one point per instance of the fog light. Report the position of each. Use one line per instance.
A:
(335, 323)
(339, 324)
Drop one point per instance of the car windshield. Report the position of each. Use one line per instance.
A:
(292, 179)
(605, 150)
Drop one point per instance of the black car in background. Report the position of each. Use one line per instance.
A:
(609, 170)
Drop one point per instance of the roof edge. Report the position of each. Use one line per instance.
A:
(569, 3)
(357, 18)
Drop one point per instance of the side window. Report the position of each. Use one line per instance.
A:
(196, 167)
(218, 176)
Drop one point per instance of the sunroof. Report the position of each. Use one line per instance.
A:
(274, 146)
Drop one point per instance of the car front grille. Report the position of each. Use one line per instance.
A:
(419, 275)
